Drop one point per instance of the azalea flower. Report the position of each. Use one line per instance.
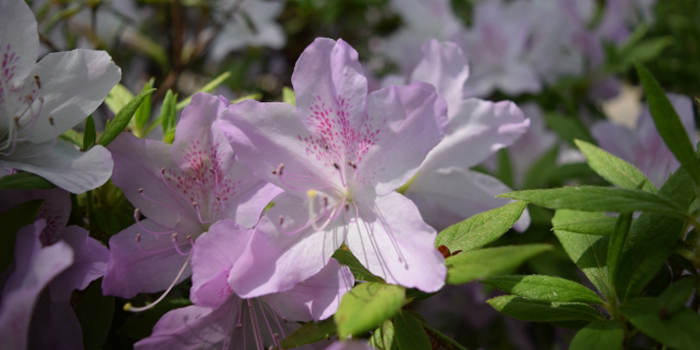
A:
(220, 319)
(643, 146)
(339, 154)
(54, 324)
(40, 101)
(444, 189)
(182, 190)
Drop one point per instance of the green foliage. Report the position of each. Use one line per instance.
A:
(383, 337)
(617, 240)
(675, 296)
(118, 97)
(679, 330)
(310, 332)
(477, 264)
(121, 120)
(168, 116)
(209, 87)
(589, 223)
(366, 306)
(543, 311)
(346, 258)
(289, 96)
(617, 171)
(544, 288)
(89, 135)
(599, 335)
(143, 113)
(10, 222)
(24, 181)
(480, 229)
(409, 333)
(95, 313)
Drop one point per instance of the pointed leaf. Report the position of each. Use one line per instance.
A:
(289, 96)
(409, 333)
(599, 335)
(383, 337)
(121, 120)
(617, 171)
(481, 263)
(360, 273)
(118, 97)
(675, 296)
(143, 113)
(310, 332)
(669, 124)
(366, 306)
(596, 223)
(543, 311)
(168, 114)
(680, 330)
(89, 135)
(480, 229)
(617, 240)
(544, 288)
(24, 181)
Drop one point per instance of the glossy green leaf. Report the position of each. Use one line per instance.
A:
(89, 135)
(617, 171)
(310, 332)
(10, 222)
(594, 198)
(588, 252)
(121, 120)
(24, 181)
(680, 330)
(597, 223)
(675, 296)
(617, 240)
(481, 263)
(383, 337)
(669, 124)
(542, 311)
(168, 113)
(209, 87)
(95, 313)
(366, 306)
(599, 335)
(143, 113)
(544, 288)
(289, 96)
(409, 333)
(480, 229)
(652, 238)
(361, 273)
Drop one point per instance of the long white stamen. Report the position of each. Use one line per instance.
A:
(129, 307)
(256, 329)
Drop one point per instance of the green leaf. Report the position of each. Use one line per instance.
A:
(121, 120)
(118, 97)
(289, 96)
(89, 135)
(73, 137)
(168, 113)
(543, 311)
(535, 175)
(95, 313)
(544, 288)
(409, 333)
(595, 198)
(310, 332)
(675, 296)
(652, 238)
(366, 306)
(481, 263)
(206, 88)
(569, 128)
(143, 113)
(669, 124)
(588, 252)
(346, 258)
(617, 240)
(505, 169)
(10, 222)
(248, 97)
(617, 171)
(599, 335)
(597, 224)
(480, 229)
(24, 181)
(680, 330)
(383, 337)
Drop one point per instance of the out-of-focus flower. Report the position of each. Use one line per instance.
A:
(182, 190)
(40, 101)
(340, 154)
(620, 16)
(220, 319)
(444, 189)
(253, 24)
(643, 146)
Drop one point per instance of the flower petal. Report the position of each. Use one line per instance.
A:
(405, 130)
(274, 261)
(445, 67)
(19, 42)
(316, 298)
(449, 195)
(63, 164)
(393, 242)
(73, 85)
(146, 267)
(478, 129)
(55, 209)
(55, 326)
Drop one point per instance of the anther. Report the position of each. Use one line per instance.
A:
(162, 171)
(325, 202)
(285, 320)
(271, 348)
(30, 98)
(17, 122)
(140, 190)
(138, 238)
(336, 166)
(281, 220)
(174, 237)
(239, 325)
(347, 206)
(38, 82)
(280, 169)
(352, 164)
(51, 120)
(311, 193)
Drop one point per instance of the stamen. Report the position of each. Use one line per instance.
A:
(155, 201)
(256, 329)
(137, 215)
(269, 329)
(38, 82)
(129, 307)
(199, 214)
(162, 176)
(240, 313)
(138, 246)
(177, 248)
